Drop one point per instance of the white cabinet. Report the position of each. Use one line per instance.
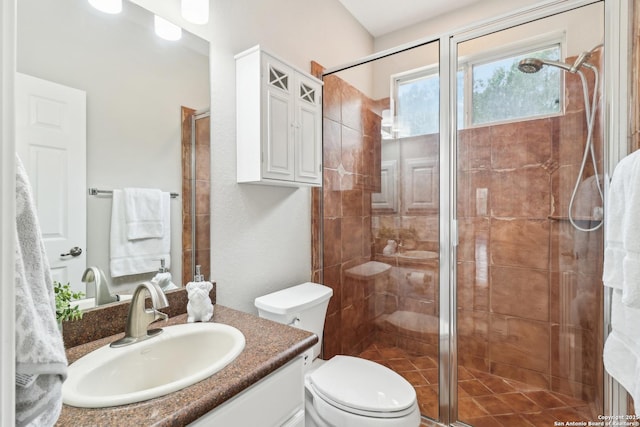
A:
(275, 401)
(278, 122)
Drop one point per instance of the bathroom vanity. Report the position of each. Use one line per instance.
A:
(271, 358)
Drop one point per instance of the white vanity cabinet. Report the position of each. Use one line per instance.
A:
(278, 122)
(274, 401)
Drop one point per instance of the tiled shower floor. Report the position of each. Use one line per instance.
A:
(484, 400)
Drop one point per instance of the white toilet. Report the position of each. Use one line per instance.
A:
(344, 391)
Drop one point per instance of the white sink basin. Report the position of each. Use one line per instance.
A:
(180, 356)
(420, 255)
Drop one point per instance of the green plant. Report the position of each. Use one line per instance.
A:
(387, 233)
(408, 233)
(64, 296)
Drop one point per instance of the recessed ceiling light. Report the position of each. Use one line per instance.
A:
(195, 11)
(107, 6)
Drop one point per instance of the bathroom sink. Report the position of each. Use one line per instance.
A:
(418, 255)
(180, 356)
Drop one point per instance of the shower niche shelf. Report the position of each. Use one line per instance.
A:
(278, 122)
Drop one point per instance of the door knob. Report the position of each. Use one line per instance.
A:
(74, 251)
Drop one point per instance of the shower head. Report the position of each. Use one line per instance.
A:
(530, 65)
(533, 65)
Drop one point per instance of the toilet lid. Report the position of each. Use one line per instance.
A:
(362, 385)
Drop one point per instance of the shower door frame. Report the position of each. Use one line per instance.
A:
(615, 84)
(616, 80)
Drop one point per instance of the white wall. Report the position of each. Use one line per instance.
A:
(260, 235)
(135, 84)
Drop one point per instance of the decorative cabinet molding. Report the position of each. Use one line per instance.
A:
(421, 185)
(278, 122)
(386, 201)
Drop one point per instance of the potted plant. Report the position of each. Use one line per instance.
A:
(64, 297)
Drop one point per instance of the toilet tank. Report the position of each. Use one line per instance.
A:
(303, 306)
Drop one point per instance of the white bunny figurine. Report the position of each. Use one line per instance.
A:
(199, 307)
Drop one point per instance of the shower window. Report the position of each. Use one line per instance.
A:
(500, 92)
(491, 89)
(417, 101)
(494, 90)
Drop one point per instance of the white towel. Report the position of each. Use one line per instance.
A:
(621, 355)
(41, 363)
(614, 252)
(141, 255)
(622, 240)
(143, 213)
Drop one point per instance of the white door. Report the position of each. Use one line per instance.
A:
(51, 142)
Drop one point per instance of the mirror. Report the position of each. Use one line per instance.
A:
(135, 84)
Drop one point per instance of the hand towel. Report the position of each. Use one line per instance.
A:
(140, 255)
(143, 213)
(41, 363)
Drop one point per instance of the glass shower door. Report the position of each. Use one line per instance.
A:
(528, 281)
(380, 215)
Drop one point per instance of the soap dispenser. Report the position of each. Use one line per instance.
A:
(163, 278)
(199, 307)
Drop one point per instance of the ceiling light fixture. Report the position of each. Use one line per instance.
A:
(195, 11)
(107, 6)
(165, 29)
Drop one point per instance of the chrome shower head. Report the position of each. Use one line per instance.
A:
(533, 65)
(530, 65)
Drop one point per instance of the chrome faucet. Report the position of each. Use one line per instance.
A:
(140, 317)
(103, 295)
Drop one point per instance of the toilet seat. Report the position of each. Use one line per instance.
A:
(361, 387)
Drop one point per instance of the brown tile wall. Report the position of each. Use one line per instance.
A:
(351, 173)
(202, 184)
(529, 288)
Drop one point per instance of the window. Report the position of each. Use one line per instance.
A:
(417, 100)
(490, 89)
(501, 92)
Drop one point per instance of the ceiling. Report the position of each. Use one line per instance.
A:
(380, 17)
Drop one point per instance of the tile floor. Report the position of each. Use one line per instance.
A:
(484, 400)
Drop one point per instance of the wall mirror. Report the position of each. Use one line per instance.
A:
(135, 85)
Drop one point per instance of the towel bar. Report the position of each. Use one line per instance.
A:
(95, 192)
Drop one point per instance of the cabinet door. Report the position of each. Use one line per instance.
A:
(308, 130)
(277, 119)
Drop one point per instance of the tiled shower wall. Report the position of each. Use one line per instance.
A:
(529, 286)
(351, 173)
(202, 182)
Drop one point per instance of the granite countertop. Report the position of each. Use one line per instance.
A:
(269, 345)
